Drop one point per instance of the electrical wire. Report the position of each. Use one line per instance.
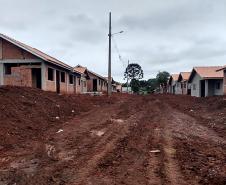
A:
(124, 63)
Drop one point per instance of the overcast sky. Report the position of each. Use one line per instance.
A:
(171, 35)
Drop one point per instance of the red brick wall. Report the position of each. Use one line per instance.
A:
(224, 82)
(90, 85)
(78, 87)
(21, 76)
(65, 87)
(10, 51)
(50, 85)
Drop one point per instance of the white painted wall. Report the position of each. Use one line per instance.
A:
(219, 92)
(178, 89)
(196, 82)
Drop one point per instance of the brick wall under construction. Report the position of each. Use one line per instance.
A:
(20, 76)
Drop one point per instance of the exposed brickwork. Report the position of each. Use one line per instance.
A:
(100, 84)
(50, 85)
(78, 85)
(71, 89)
(20, 76)
(11, 51)
(225, 82)
(90, 85)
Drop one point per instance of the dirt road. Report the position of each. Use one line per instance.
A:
(131, 140)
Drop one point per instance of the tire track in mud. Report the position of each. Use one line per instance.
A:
(189, 146)
(86, 153)
(169, 166)
(120, 127)
(131, 161)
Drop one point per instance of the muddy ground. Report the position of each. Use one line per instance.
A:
(126, 139)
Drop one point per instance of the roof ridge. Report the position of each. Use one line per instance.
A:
(35, 51)
(207, 66)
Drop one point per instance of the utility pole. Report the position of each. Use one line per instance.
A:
(127, 80)
(109, 58)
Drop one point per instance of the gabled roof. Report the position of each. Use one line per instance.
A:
(223, 68)
(210, 72)
(184, 76)
(173, 77)
(36, 52)
(95, 74)
(82, 70)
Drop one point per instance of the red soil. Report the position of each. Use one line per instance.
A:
(111, 140)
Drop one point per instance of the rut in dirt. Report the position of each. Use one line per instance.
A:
(126, 139)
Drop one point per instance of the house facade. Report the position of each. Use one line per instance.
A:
(81, 81)
(173, 85)
(94, 82)
(119, 87)
(22, 65)
(224, 80)
(184, 87)
(206, 81)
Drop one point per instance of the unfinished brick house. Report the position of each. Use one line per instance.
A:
(95, 82)
(206, 81)
(22, 65)
(185, 87)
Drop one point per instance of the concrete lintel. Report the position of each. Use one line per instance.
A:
(21, 61)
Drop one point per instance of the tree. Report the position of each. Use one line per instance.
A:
(152, 85)
(162, 78)
(134, 71)
(135, 85)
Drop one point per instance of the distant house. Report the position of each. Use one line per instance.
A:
(22, 65)
(173, 85)
(115, 86)
(81, 80)
(224, 81)
(119, 87)
(95, 82)
(206, 81)
(185, 87)
(127, 90)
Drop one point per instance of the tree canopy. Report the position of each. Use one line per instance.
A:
(162, 77)
(134, 71)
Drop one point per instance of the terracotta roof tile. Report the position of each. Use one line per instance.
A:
(210, 72)
(80, 69)
(175, 77)
(185, 75)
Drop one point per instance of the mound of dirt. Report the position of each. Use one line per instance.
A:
(25, 113)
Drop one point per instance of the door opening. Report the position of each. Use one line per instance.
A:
(94, 85)
(57, 81)
(203, 88)
(37, 78)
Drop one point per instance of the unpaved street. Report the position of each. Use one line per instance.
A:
(129, 140)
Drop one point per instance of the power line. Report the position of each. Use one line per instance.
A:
(118, 52)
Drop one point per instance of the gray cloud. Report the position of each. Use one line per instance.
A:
(172, 35)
